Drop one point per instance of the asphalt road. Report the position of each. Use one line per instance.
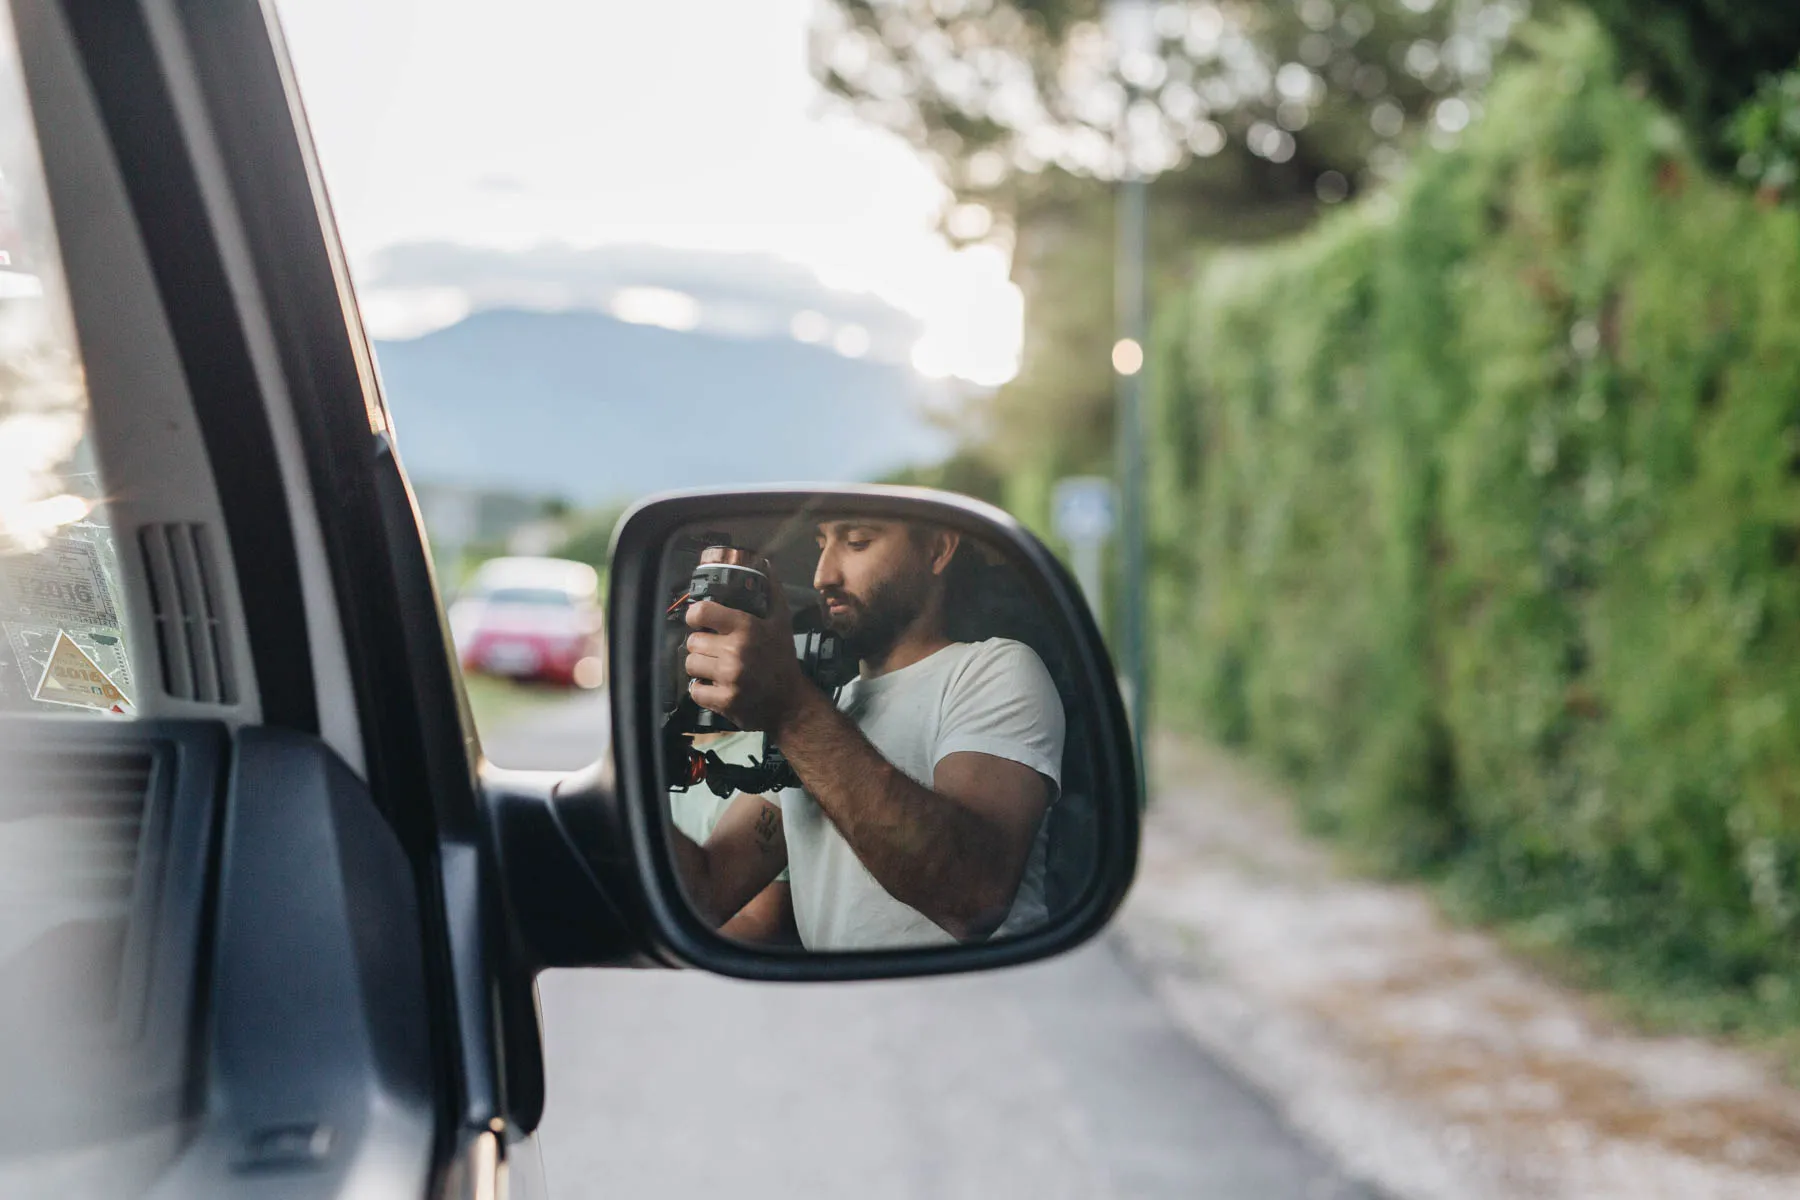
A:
(1062, 1079)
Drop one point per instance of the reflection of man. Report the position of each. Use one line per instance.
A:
(921, 813)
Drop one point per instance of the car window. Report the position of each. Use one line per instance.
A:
(63, 643)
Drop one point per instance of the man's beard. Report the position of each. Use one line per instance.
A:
(874, 623)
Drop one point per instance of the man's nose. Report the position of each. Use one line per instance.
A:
(827, 574)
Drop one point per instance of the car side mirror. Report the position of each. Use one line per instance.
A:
(861, 732)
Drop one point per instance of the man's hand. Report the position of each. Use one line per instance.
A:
(743, 667)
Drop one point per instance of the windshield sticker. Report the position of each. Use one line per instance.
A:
(61, 585)
(30, 647)
(72, 677)
(65, 589)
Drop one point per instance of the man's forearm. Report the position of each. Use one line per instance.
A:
(925, 849)
(767, 920)
(741, 857)
(695, 870)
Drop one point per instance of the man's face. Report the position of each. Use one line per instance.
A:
(875, 578)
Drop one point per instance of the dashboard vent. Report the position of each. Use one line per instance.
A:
(89, 805)
(72, 829)
(190, 640)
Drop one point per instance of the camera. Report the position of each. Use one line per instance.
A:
(736, 578)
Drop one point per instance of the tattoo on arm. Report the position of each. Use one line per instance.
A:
(768, 829)
(742, 855)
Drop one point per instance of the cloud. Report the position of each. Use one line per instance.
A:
(412, 289)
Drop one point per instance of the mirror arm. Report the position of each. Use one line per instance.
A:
(570, 903)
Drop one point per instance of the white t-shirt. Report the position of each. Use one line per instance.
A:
(992, 697)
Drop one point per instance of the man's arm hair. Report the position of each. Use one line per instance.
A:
(955, 851)
(744, 854)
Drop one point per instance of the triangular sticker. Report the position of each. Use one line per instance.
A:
(71, 677)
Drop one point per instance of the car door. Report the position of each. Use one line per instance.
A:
(305, 978)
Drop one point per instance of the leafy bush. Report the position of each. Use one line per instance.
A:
(1479, 517)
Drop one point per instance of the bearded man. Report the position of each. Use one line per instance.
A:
(920, 816)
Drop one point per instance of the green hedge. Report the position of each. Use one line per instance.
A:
(1478, 512)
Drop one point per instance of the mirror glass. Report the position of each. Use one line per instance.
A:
(872, 734)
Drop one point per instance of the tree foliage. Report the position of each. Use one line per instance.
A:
(1703, 58)
(1765, 132)
(1255, 98)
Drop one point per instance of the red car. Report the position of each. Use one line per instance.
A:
(532, 619)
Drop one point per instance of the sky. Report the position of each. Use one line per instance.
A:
(690, 124)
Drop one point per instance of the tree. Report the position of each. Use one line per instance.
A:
(1253, 99)
(1248, 116)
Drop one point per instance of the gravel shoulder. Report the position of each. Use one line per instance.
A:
(1426, 1059)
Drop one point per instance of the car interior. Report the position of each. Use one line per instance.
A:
(218, 831)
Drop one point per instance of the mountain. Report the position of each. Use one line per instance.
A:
(592, 408)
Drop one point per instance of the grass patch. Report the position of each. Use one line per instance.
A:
(495, 702)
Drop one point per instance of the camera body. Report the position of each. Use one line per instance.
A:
(735, 578)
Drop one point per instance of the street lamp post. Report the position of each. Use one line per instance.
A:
(1133, 28)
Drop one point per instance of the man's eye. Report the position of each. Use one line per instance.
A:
(856, 545)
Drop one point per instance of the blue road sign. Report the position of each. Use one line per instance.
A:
(1081, 508)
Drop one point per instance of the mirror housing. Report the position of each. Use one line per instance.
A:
(637, 623)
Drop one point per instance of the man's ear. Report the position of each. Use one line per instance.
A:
(943, 549)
